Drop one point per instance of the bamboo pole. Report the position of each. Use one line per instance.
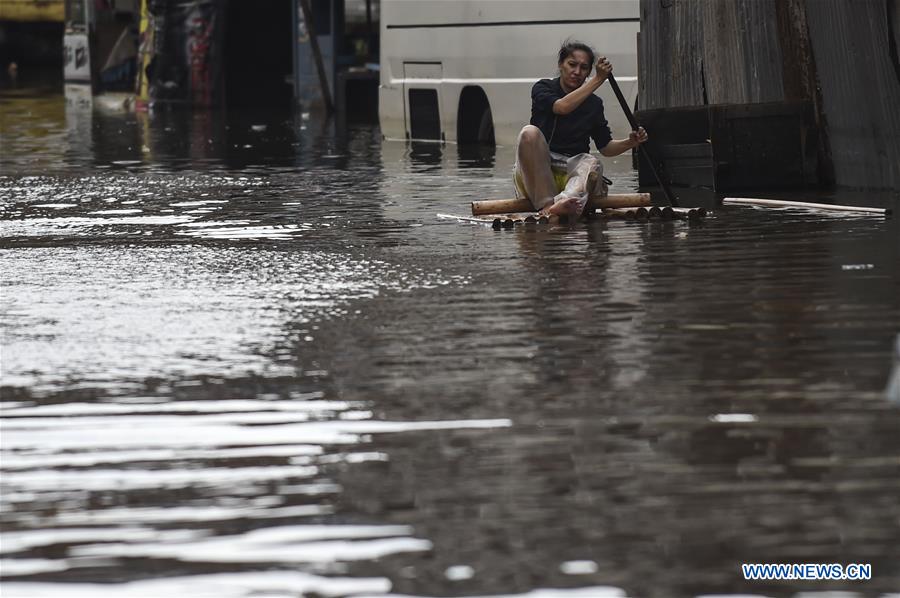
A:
(781, 203)
(620, 200)
(626, 213)
(505, 206)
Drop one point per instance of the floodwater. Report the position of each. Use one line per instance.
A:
(241, 356)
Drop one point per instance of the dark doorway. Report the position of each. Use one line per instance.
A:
(258, 53)
(31, 44)
(424, 115)
(474, 122)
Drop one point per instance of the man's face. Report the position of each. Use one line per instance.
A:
(574, 69)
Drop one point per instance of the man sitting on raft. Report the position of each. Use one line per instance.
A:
(553, 167)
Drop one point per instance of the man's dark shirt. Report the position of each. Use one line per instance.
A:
(571, 132)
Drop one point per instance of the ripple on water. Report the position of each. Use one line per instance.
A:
(277, 584)
(173, 311)
(223, 585)
(247, 473)
(685, 396)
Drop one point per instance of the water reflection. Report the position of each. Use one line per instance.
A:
(892, 390)
(476, 155)
(426, 154)
(236, 370)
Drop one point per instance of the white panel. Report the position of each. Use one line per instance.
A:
(76, 57)
(504, 60)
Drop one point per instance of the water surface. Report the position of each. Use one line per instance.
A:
(241, 356)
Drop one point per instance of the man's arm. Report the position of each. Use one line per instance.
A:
(620, 146)
(574, 99)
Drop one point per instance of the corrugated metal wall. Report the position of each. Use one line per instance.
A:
(860, 89)
(699, 52)
(670, 55)
(695, 52)
(741, 56)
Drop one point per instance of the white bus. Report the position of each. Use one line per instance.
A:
(460, 70)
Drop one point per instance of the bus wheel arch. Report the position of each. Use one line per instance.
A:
(474, 120)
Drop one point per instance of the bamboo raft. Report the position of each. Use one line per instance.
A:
(508, 206)
(533, 219)
(510, 213)
(655, 213)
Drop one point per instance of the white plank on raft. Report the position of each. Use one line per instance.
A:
(781, 203)
(472, 219)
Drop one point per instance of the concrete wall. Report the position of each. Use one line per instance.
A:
(30, 11)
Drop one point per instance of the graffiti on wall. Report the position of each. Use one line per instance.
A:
(180, 53)
(199, 26)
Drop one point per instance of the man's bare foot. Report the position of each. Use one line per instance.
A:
(568, 206)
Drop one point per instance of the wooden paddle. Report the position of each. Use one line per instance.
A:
(670, 196)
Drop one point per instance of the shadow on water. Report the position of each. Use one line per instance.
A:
(242, 356)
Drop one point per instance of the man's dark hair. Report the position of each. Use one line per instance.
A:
(570, 46)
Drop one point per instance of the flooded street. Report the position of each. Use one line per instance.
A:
(241, 356)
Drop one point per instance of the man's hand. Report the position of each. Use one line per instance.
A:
(638, 137)
(604, 68)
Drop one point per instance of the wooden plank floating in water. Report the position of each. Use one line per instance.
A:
(505, 206)
(781, 203)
